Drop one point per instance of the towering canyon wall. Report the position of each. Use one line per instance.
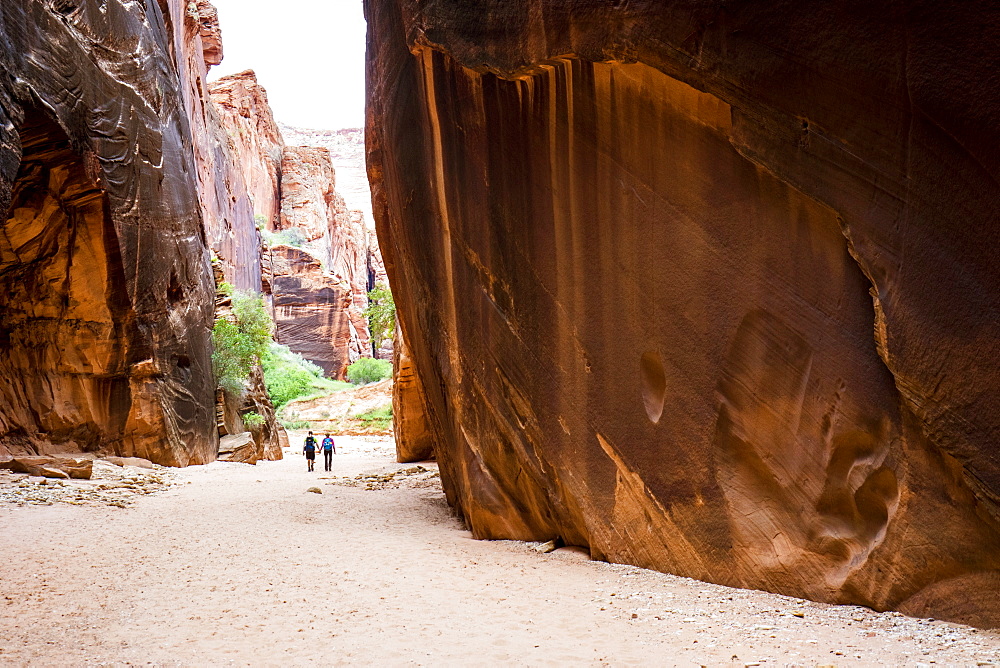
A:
(246, 117)
(235, 142)
(707, 288)
(320, 290)
(106, 295)
(223, 195)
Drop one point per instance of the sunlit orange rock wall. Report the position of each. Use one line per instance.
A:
(105, 289)
(414, 439)
(710, 289)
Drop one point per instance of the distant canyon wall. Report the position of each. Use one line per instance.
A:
(711, 290)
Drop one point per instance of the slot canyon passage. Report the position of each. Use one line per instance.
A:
(697, 320)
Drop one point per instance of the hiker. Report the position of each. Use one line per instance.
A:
(329, 450)
(310, 451)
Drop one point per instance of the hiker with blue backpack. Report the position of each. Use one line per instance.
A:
(310, 451)
(329, 450)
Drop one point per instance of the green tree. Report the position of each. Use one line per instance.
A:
(254, 420)
(241, 341)
(381, 315)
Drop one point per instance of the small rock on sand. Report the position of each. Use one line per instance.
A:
(315, 490)
(550, 546)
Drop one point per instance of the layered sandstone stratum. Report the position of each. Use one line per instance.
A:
(706, 288)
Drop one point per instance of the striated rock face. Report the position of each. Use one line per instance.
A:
(340, 255)
(105, 291)
(256, 141)
(311, 309)
(225, 201)
(237, 149)
(709, 289)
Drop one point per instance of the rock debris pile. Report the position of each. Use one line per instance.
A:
(109, 485)
(414, 477)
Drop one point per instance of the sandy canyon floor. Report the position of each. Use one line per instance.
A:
(231, 564)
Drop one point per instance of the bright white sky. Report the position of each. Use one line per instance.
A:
(308, 54)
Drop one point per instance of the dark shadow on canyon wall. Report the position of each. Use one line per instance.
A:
(699, 291)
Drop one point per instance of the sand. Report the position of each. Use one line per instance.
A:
(231, 564)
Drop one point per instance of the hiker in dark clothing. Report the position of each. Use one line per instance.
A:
(310, 451)
(329, 450)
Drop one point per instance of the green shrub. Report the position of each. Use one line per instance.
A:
(260, 221)
(289, 376)
(381, 315)
(225, 289)
(290, 237)
(367, 370)
(253, 420)
(285, 383)
(240, 342)
(254, 320)
(380, 418)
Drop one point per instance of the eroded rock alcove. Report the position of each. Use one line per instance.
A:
(650, 271)
(62, 327)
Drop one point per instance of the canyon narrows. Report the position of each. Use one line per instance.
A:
(711, 289)
(707, 288)
(137, 197)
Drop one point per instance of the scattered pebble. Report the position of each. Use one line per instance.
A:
(414, 476)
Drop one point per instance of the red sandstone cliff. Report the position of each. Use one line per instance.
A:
(223, 194)
(106, 299)
(707, 288)
(347, 153)
(338, 256)
(245, 114)
(236, 145)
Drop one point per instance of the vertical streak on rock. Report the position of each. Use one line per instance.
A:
(441, 190)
